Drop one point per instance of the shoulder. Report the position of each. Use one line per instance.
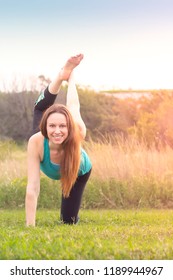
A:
(35, 144)
(36, 138)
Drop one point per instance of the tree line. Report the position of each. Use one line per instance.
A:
(149, 119)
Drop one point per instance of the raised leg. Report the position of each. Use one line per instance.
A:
(47, 97)
(72, 103)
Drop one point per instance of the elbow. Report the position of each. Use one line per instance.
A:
(31, 199)
(32, 192)
(31, 195)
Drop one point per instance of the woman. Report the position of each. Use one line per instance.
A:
(56, 148)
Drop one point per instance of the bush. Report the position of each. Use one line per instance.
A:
(111, 194)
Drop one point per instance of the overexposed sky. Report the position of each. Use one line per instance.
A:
(126, 43)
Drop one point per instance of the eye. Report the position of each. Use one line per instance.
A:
(51, 125)
(62, 125)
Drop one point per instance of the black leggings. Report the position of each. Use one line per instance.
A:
(70, 205)
(45, 100)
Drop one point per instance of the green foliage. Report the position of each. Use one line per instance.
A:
(154, 123)
(100, 235)
(147, 192)
(16, 114)
(150, 119)
(101, 114)
(12, 194)
(50, 194)
(105, 115)
(145, 128)
(136, 192)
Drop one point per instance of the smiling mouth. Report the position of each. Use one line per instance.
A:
(58, 137)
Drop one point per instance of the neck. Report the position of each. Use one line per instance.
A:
(55, 147)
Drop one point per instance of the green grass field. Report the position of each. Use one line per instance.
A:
(100, 234)
(129, 179)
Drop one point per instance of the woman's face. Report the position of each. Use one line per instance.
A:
(57, 130)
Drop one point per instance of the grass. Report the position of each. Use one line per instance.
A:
(125, 176)
(129, 159)
(103, 234)
(12, 161)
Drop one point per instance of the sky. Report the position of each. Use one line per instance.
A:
(126, 43)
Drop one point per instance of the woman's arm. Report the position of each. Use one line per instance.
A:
(33, 185)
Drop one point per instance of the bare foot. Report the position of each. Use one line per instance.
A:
(71, 63)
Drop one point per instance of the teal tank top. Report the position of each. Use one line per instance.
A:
(52, 170)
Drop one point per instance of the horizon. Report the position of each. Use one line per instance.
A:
(32, 83)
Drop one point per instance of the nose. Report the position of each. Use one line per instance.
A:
(57, 130)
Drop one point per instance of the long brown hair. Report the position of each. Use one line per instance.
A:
(70, 161)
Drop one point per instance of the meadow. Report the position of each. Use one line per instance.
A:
(105, 234)
(126, 213)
